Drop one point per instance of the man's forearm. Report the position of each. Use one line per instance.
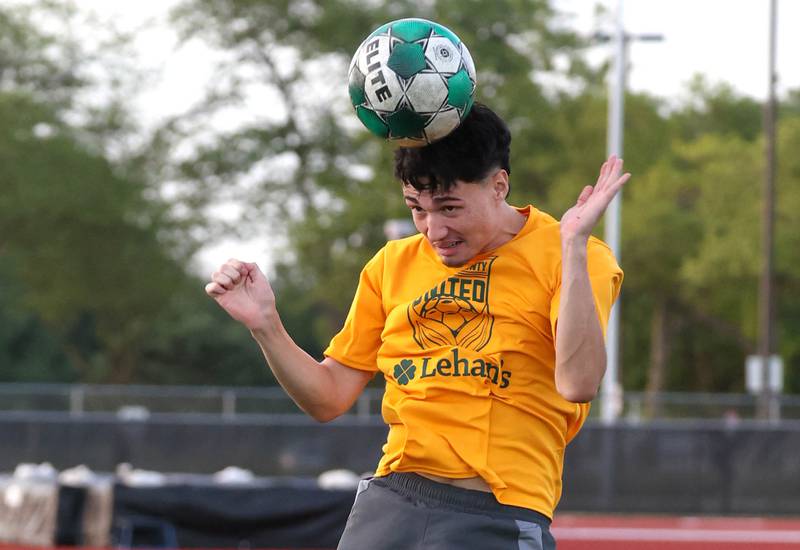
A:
(580, 346)
(309, 383)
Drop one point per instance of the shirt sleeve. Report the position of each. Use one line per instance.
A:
(605, 277)
(357, 344)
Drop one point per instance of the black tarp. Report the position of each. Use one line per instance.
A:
(69, 516)
(205, 515)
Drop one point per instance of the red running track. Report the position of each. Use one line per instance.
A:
(588, 532)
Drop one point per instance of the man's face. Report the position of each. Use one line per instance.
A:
(460, 223)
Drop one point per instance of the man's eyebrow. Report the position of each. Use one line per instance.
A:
(437, 198)
(443, 198)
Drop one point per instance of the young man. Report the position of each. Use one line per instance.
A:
(488, 329)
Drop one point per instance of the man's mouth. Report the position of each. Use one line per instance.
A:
(447, 245)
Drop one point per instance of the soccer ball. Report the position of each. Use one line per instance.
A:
(412, 81)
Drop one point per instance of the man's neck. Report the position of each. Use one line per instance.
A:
(512, 223)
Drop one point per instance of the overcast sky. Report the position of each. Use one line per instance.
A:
(725, 40)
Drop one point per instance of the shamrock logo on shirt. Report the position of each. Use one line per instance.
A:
(404, 372)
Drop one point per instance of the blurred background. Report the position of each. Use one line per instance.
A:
(143, 144)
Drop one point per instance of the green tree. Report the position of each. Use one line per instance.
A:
(692, 250)
(80, 237)
(787, 231)
(28, 351)
(93, 278)
(701, 271)
(717, 109)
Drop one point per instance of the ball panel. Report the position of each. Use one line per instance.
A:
(354, 60)
(355, 86)
(469, 64)
(373, 54)
(383, 90)
(460, 89)
(442, 124)
(444, 31)
(427, 92)
(466, 110)
(443, 55)
(412, 30)
(406, 59)
(405, 123)
(372, 121)
(383, 29)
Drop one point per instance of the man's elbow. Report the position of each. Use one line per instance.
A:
(327, 411)
(577, 394)
(578, 381)
(324, 414)
(325, 418)
(580, 387)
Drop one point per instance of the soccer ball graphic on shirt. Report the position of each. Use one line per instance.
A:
(450, 311)
(412, 81)
(450, 321)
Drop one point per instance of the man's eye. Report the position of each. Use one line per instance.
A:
(416, 208)
(449, 209)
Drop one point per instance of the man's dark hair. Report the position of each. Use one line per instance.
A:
(481, 143)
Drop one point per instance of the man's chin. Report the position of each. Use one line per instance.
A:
(454, 256)
(453, 261)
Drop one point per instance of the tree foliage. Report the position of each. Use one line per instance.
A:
(87, 273)
(93, 260)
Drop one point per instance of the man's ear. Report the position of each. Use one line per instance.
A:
(500, 184)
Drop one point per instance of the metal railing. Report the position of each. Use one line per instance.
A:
(730, 407)
(139, 401)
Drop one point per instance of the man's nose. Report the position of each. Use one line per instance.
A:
(437, 228)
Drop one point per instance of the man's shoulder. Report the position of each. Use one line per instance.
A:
(541, 230)
(546, 231)
(599, 246)
(403, 248)
(396, 252)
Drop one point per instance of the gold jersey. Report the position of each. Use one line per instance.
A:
(468, 355)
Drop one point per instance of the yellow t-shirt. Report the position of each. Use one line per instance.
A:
(468, 355)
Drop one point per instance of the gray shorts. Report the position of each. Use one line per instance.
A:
(405, 511)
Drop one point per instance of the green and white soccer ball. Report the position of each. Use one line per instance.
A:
(412, 81)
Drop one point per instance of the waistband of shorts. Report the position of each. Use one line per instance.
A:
(416, 486)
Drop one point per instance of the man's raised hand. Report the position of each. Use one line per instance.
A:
(242, 290)
(579, 221)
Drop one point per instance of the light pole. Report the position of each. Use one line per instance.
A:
(611, 392)
(768, 406)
